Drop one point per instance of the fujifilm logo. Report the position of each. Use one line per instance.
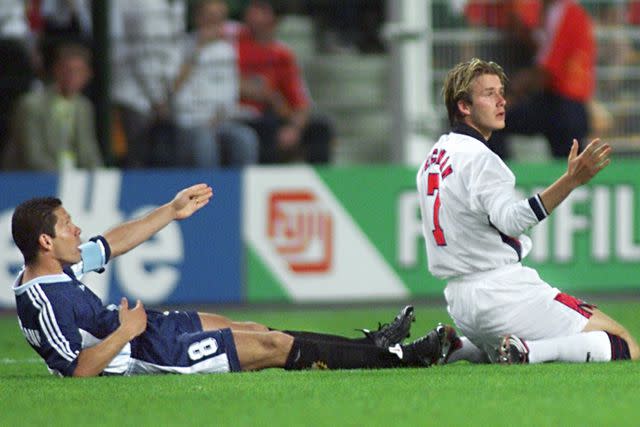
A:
(147, 272)
(603, 215)
(300, 229)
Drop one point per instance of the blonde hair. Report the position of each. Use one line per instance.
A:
(457, 84)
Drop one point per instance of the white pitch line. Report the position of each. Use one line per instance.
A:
(7, 361)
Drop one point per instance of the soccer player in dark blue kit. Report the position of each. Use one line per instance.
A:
(68, 326)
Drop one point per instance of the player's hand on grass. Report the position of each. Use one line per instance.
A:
(190, 200)
(134, 321)
(581, 168)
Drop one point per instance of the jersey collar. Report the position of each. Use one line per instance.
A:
(50, 278)
(465, 129)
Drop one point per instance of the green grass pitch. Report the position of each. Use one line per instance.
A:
(458, 394)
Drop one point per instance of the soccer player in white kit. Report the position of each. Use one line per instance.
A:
(473, 222)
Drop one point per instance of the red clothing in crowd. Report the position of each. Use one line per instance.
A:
(633, 13)
(34, 15)
(496, 14)
(568, 52)
(275, 63)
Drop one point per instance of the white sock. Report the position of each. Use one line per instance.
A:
(470, 352)
(583, 347)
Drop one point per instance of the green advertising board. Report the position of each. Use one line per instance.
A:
(376, 250)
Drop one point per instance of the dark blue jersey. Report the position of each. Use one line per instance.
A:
(59, 315)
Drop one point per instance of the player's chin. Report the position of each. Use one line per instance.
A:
(75, 258)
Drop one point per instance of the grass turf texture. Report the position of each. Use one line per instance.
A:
(458, 394)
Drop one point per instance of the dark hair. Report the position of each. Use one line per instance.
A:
(457, 84)
(31, 219)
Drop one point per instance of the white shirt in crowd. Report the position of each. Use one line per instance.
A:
(147, 35)
(13, 21)
(212, 88)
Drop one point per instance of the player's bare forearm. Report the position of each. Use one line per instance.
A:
(580, 170)
(553, 195)
(93, 360)
(128, 235)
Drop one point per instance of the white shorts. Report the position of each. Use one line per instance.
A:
(512, 300)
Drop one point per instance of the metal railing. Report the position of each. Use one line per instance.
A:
(617, 72)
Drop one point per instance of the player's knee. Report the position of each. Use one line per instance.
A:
(277, 341)
(634, 350)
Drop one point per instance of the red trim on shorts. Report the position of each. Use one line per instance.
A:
(576, 304)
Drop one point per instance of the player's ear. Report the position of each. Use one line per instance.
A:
(464, 108)
(45, 241)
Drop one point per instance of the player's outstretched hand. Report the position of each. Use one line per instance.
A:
(134, 321)
(581, 168)
(190, 200)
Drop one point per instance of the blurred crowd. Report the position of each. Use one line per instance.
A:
(206, 83)
(549, 51)
(189, 86)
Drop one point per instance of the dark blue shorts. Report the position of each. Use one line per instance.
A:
(174, 342)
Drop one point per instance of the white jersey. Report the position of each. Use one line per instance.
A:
(147, 36)
(212, 87)
(472, 216)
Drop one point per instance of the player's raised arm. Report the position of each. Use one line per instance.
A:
(580, 169)
(128, 235)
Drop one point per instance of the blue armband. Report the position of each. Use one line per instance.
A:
(538, 208)
(95, 254)
(105, 247)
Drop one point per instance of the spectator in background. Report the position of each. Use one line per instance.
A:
(54, 127)
(17, 67)
(552, 97)
(146, 39)
(274, 95)
(516, 20)
(207, 93)
(64, 21)
(633, 12)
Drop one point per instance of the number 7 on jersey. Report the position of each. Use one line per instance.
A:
(433, 188)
